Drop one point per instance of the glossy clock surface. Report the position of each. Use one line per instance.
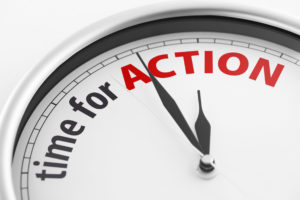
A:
(101, 131)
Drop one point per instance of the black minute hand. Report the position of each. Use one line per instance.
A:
(173, 109)
(202, 127)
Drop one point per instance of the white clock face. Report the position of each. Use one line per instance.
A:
(103, 132)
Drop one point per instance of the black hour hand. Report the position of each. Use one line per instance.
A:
(203, 128)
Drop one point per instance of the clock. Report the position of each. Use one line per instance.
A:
(182, 102)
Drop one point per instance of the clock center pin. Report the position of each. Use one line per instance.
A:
(207, 167)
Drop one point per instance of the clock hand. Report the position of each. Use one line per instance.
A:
(173, 109)
(203, 128)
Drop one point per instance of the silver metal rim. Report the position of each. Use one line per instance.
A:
(18, 101)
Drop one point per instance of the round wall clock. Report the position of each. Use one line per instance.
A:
(182, 102)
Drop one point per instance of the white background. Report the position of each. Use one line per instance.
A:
(29, 29)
